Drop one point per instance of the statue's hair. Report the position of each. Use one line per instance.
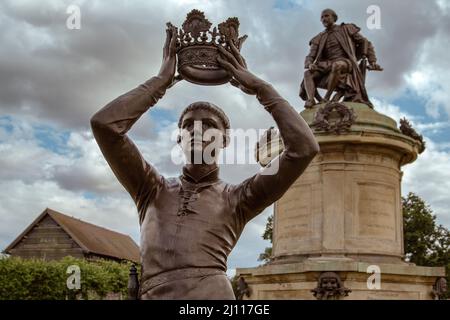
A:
(330, 275)
(333, 13)
(202, 105)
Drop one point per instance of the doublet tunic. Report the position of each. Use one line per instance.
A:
(188, 226)
(333, 50)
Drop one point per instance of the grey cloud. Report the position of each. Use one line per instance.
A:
(64, 76)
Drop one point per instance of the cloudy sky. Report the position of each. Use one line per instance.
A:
(52, 79)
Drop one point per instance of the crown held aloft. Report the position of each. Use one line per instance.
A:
(197, 48)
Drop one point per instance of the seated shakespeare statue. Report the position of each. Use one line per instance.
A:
(336, 62)
(190, 224)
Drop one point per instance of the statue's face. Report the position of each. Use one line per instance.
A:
(329, 284)
(327, 18)
(201, 136)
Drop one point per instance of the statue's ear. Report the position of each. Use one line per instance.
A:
(226, 141)
(178, 139)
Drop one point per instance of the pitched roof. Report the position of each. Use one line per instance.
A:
(90, 237)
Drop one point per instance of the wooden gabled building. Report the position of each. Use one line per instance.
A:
(53, 236)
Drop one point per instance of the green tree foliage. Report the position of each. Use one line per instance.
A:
(47, 280)
(266, 255)
(267, 235)
(419, 226)
(426, 242)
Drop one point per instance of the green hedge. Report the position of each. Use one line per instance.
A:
(46, 280)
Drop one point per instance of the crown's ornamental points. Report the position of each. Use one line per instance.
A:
(197, 48)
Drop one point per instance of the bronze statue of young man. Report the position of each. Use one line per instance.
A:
(332, 63)
(190, 224)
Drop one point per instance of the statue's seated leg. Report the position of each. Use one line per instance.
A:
(310, 79)
(338, 72)
(339, 94)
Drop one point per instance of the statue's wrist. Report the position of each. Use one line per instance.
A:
(267, 96)
(263, 88)
(156, 88)
(163, 81)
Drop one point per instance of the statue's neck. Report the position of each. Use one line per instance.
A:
(331, 27)
(199, 172)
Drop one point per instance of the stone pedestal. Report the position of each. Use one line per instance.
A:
(344, 213)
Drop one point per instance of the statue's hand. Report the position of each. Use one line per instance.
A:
(374, 67)
(168, 66)
(313, 67)
(235, 64)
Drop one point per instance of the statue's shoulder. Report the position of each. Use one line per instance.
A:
(351, 28)
(316, 39)
(172, 182)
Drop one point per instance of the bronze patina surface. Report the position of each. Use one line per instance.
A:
(190, 224)
(337, 62)
(197, 48)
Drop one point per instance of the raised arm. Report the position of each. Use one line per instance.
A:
(256, 193)
(111, 124)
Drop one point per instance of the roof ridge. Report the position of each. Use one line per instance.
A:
(83, 221)
(25, 231)
(90, 237)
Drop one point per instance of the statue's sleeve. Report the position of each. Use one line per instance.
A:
(352, 28)
(267, 186)
(110, 126)
(313, 50)
(360, 40)
(371, 55)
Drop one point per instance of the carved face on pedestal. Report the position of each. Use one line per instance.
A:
(329, 284)
(441, 285)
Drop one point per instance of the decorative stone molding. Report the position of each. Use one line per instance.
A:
(322, 118)
(407, 129)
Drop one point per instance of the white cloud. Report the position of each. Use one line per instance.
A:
(392, 110)
(430, 78)
(429, 177)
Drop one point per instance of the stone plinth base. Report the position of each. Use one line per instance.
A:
(296, 280)
(344, 214)
(348, 200)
